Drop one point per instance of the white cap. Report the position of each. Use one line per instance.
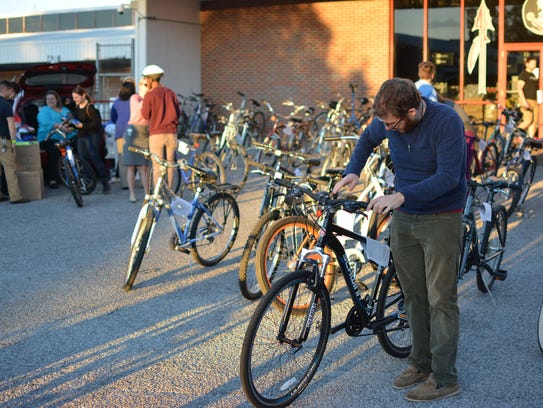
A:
(152, 71)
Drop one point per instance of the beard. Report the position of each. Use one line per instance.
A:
(410, 124)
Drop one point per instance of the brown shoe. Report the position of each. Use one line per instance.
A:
(21, 201)
(411, 376)
(431, 391)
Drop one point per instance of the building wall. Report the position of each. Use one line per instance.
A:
(307, 51)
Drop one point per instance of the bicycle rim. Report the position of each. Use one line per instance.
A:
(492, 248)
(75, 187)
(142, 235)
(247, 280)
(279, 250)
(508, 197)
(394, 337)
(212, 242)
(235, 165)
(528, 177)
(276, 367)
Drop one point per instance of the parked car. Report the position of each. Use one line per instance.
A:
(61, 77)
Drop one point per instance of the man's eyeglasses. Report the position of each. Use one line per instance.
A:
(391, 126)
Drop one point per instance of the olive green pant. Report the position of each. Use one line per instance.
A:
(426, 251)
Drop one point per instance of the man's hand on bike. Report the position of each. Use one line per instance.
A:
(386, 203)
(350, 180)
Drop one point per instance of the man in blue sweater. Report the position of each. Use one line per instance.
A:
(427, 147)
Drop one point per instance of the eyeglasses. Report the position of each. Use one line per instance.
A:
(391, 126)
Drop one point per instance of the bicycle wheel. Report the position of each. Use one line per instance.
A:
(540, 329)
(466, 257)
(140, 241)
(259, 121)
(248, 283)
(395, 337)
(492, 248)
(74, 184)
(234, 160)
(214, 232)
(278, 251)
(280, 352)
(508, 197)
(490, 160)
(87, 176)
(528, 173)
(208, 161)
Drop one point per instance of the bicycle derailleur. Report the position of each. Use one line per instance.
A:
(175, 245)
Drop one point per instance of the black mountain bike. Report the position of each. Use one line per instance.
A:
(288, 332)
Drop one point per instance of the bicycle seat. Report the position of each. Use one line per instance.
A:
(536, 144)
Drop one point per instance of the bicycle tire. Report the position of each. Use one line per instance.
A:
(274, 372)
(86, 174)
(466, 258)
(490, 160)
(395, 337)
(278, 251)
(141, 237)
(540, 329)
(235, 164)
(210, 250)
(528, 174)
(259, 121)
(247, 280)
(74, 184)
(205, 161)
(492, 249)
(507, 197)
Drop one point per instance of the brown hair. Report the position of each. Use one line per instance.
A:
(56, 95)
(427, 70)
(395, 97)
(81, 92)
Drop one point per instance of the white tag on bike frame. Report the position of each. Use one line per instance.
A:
(378, 252)
(485, 212)
(183, 147)
(278, 175)
(527, 155)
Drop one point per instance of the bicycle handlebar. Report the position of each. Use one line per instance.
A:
(494, 184)
(306, 158)
(323, 198)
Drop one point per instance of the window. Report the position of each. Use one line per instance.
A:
(49, 22)
(15, 25)
(3, 26)
(67, 21)
(85, 19)
(104, 18)
(32, 24)
(408, 17)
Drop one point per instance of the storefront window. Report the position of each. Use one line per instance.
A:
(523, 21)
(473, 48)
(408, 37)
(444, 45)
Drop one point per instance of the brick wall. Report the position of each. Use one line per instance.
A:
(306, 51)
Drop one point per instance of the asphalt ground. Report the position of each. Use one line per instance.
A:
(70, 336)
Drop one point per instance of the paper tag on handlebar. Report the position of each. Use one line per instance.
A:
(527, 155)
(278, 175)
(485, 212)
(389, 178)
(70, 154)
(482, 145)
(377, 251)
(183, 148)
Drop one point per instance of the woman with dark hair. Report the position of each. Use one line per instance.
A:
(120, 113)
(90, 134)
(50, 117)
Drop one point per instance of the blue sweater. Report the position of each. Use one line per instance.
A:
(429, 162)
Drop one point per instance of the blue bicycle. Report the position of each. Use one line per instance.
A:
(206, 227)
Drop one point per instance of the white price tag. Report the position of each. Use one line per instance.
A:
(183, 147)
(377, 251)
(485, 212)
(527, 155)
(278, 175)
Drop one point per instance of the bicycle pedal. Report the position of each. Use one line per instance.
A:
(500, 275)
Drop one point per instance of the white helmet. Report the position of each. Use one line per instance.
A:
(153, 71)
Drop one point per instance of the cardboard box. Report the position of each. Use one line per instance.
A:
(27, 156)
(31, 184)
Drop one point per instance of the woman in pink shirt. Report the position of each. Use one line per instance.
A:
(136, 134)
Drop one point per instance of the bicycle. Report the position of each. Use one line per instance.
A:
(184, 178)
(208, 225)
(288, 332)
(484, 244)
(274, 205)
(76, 174)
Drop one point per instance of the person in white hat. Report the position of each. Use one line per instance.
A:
(161, 108)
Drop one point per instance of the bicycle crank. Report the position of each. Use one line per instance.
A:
(354, 324)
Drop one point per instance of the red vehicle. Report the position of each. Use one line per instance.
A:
(61, 77)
